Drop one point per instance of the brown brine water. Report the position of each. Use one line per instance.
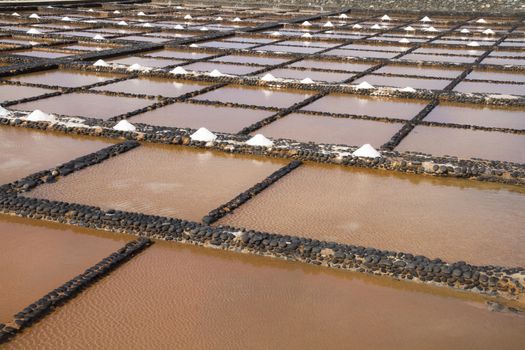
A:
(25, 151)
(64, 78)
(162, 180)
(176, 297)
(446, 218)
(37, 257)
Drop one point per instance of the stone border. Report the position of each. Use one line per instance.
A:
(61, 295)
(245, 196)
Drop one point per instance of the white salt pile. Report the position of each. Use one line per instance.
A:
(33, 31)
(216, 73)
(15, 14)
(409, 29)
(260, 140)
(481, 20)
(91, 10)
(39, 116)
(116, 12)
(426, 19)
(306, 24)
(141, 14)
(188, 17)
(404, 41)
(147, 25)
(268, 77)
(408, 89)
(464, 31)
(66, 19)
(124, 125)
(376, 26)
(386, 18)
(99, 37)
(101, 63)
(430, 29)
(236, 19)
(194, 45)
(357, 26)
(364, 85)
(306, 35)
(137, 67)
(489, 32)
(366, 151)
(90, 21)
(178, 26)
(473, 44)
(328, 24)
(343, 16)
(307, 81)
(218, 18)
(178, 70)
(275, 34)
(34, 15)
(204, 135)
(3, 112)
(203, 29)
(122, 23)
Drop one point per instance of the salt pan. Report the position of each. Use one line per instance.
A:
(365, 85)
(39, 116)
(366, 151)
(260, 140)
(204, 135)
(124, 125)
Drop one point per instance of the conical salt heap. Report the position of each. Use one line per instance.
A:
(203, 135)
(39, 116)
(268, 77)
(101, 63)
(124, 125)
(3, 112)
(178, 70)
(260, 140)
(366, 151)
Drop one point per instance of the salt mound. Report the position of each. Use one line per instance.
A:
(376, 26)
(99, 37)
(426, 19)
(473, 43)
(404, 41)
(268, 77)
(147, 25)
(481, 20)
(307, 81)
(91, 10)
(3, 112)
(39, 116)
(101, 63)
(260, 140)
(116, 12)
(365, 85)
(216, 73)
(342, 15)
(408, 89)
(66, 19)
(430, 29)
(236, 19)
(386, 18)
(306, 24)
(178, 70)
(218, 18)
(194, 45)
(137, 67)
(141, 14)
(366, 151)
(204, 29)
(122, 23)
(178, 26)
(90, 21)
(464, 31)
(275, 34)
(357, 26)
(15, 14)
(328, 24)
(489, 32)
(34, 15)
(188, 17)
(409, 29)
(204, 135)
(306, 35)
(33, 31)
(124, 125)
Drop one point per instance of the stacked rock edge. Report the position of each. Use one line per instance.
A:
(245, 196)
(70, 289)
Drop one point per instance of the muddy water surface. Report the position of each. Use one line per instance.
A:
(402, 82)
(297, 74)
(153, 86)
(178, 297)
(493, 88)
(64, 78)
(24, 151)
(37, 257)
(447, 218)
(162, 180)
(13, 92)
